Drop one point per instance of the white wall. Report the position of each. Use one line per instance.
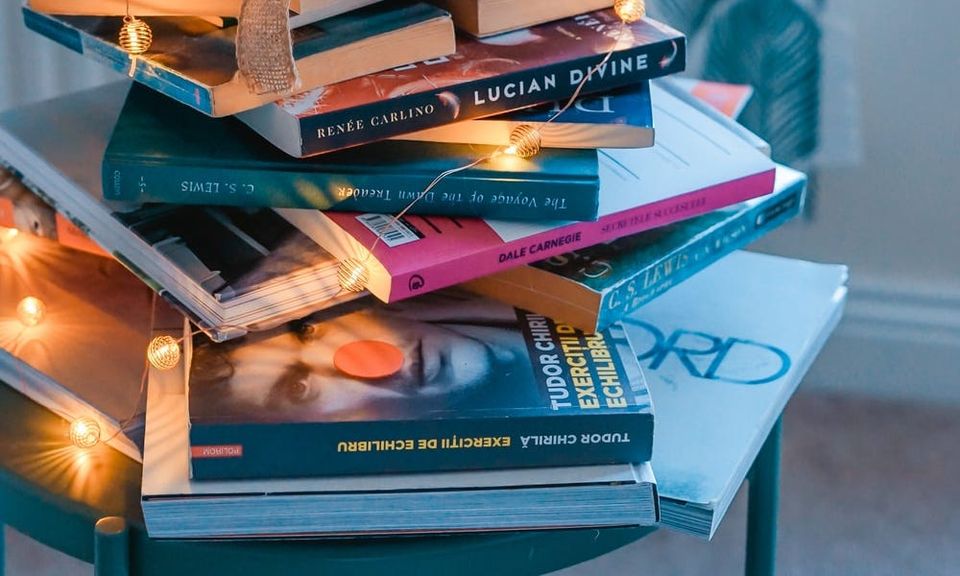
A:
(895, 218)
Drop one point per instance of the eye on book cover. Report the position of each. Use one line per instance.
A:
(446, 381)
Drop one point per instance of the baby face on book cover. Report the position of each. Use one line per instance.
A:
(433, 353)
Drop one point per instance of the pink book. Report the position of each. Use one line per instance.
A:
(698, 164)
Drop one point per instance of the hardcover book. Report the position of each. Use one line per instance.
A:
(449, 381)
(195, 62)
(175, 506)
(230, 269)
(90, 309)
(696, 166)
(619, 119)
(599, 285)
(723, 353)
(161, 151)
(486, 17)
(484, 77)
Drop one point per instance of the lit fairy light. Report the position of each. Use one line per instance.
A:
(84, 432)
(163, 353)
(31, 311)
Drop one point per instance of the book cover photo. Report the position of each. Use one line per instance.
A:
(447, 381)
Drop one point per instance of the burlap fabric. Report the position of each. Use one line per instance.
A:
(264, 47)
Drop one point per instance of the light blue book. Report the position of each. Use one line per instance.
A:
(722, 353)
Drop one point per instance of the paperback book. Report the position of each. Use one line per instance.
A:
(195, 62)
(230, 270)
(487, 17)
(596, 286)
(723, 354)
(176, 506)
(698, 164)
(161, 151)
(484, 77)
(449, 381)
(619, 119)
(85, 309)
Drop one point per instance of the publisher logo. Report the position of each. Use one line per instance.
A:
(217, 451)
(416, 283)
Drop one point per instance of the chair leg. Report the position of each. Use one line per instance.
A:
(762, 507)
(111, 547)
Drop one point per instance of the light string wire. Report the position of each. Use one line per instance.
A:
(525, 141)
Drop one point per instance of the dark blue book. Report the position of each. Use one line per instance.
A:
(164, 152)
(597, 286)
(195, 62)
(618, 119)
(449, 381)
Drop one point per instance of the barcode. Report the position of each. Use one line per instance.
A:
(391, 232)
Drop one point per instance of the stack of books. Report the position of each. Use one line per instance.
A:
(522, 314)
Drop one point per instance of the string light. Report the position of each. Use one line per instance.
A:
(163, 353)
(31, 311)
(630, 10)
(353, 275)
(525, 141)
(84, 432)
(135, 34)
(8, 234)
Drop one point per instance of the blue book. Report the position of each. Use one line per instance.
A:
(449, 381)
(178, 506)
(195, 62)
(164, 152)
(618, 119)
(722, 354)
(599, 285)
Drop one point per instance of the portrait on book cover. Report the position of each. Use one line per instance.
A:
(459, 351)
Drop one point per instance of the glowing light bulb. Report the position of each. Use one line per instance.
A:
(31, 311)
(353, 275)
(163, 353)
(84, 432)
(8, 234)
(525, 141)
(135, 35)
(630, 10)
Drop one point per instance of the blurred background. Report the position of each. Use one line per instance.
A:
(863, 96)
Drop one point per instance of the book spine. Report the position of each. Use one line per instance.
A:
(578, 235)
(464, 194)
(344, 448)
(395, 116)
(734, 234)
(143, 70)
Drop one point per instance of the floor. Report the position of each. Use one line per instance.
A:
(869, 488)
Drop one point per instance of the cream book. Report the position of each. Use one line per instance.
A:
(488, 17)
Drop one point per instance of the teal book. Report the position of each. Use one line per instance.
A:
(164, 152)
(723, 353)
(599, 285)
(449, 381)
(195, 62)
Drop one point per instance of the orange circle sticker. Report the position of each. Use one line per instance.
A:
(368, 359)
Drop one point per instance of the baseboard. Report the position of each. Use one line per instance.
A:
(896, 341)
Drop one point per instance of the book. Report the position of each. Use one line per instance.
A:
(176, 506)
(316, 9)
(723, 353)
(696, 166)
(482, 78)
(194, 62)
(230, 270)
(487, 17)
(619, 119)
(448, 381)
(165, 152)
(86, 355)
(598, 285)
